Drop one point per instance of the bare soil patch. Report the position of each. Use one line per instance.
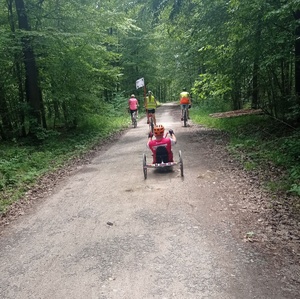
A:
(265, 220)
(46, 184)
(220, 217)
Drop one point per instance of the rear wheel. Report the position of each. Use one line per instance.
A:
(134, 120)
(151, 125)
(181, 163)
(185, 117)
(144, 166)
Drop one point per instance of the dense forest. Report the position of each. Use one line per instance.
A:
(68, 65)
(64, 61)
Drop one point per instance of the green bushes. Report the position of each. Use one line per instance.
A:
(261, 141)
(23, 162)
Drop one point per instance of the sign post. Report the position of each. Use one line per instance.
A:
(141, 83)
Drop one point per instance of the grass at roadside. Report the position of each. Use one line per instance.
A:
(22, 163)
(259, 141)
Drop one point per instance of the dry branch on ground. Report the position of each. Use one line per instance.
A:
(235, 113)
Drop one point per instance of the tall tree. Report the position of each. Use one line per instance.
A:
(33, 91)
(297, 54)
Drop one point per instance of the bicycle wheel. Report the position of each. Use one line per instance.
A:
(151, 125)
(185, 117)
(144, 166)
(134, 120)
(181, 163)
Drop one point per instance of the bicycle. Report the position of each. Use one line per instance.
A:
(151, 123)
(185, 115)
(134, 119)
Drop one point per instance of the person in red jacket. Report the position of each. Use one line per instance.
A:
(161, 146)
(133, 105)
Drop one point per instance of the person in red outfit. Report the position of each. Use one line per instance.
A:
(161, 146)
(133, 105)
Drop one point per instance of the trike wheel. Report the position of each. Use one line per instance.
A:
(144, 166)
(181, 163)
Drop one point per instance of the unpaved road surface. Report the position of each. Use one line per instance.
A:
(107, 233)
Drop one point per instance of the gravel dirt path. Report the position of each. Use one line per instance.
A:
(99, 230)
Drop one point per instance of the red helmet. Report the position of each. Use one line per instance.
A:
(159, 130)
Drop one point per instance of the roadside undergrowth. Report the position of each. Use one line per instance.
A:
(265, 146)
(23, 162)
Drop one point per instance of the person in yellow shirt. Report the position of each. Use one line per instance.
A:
(150, 106)
(185, 102)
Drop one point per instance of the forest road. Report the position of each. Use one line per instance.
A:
(107, 233)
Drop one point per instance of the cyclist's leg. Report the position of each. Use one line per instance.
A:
(188, 111)
(147, 113)
(171, 159)
(130, 111)
(181, 106)
(153, 116)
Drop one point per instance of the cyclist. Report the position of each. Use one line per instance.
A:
(185, 102)
(150, 106)
(161, 146)
(133, 105)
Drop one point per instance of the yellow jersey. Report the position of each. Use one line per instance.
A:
(150, 102)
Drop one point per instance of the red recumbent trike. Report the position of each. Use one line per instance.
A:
(161, 161)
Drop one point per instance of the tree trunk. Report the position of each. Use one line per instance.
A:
(255, 85)
(33, 91)
(22, 117)
(297, 56)
(6, 128)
